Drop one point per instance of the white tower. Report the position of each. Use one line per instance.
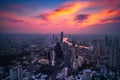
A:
(53, 58)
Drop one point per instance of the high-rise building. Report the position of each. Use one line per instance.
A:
(67, 57)
(16, 73)
(61, 38)
(107, 45)
(73, 55)
(98, 48)
(80, 60)
(52, 56)
(87, 74)
(58, 51)
(113, 55)
(47, 53)
(107, 40)
(65, 46)
(110, 50)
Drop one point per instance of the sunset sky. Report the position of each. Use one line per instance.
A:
(54, 16)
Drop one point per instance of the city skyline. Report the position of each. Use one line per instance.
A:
(54, 16)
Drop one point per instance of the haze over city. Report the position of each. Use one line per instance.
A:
(59, 40)
(54, 16)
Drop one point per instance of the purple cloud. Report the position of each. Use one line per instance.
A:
(81, 17)
(111, 19)
(10, 19)
(42, 16)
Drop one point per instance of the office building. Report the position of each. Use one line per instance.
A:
(16, 73)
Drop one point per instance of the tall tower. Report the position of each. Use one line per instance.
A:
(61, 38)
(97, 51)
(67, 57)
(16, 73)
(73, 55)
(52, 58)
(112, 55)
(53, 37)
(108, 43)
(58, 51)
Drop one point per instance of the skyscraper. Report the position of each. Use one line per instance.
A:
(65, 46)
(112, 55)
(73, 55)
(58, 51)
(16, 73)
(61, 38)
(67, 57)
(52, 58)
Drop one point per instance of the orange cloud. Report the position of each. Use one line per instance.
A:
(65, 16)
(66, 10)
(98, 17)
(68, 18)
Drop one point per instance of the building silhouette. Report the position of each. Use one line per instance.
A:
(61, 38)
(58, 51)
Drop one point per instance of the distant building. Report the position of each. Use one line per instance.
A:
(1, 72)
(58, 51)
(108, 44)
(16, 73)
(107, 41)
(113, 55)
(73, 43)
(65, 46)
(52, 58)
(44, 61)
(75, 66)
(73, 55)
(111, 50)
(61, 38)
(87, 74)
(67, 57)
(47, 53)
(80, 61)
(65, 71)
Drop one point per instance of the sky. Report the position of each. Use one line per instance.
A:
(54, 16)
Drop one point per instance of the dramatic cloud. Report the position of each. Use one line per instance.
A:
(98, 17)
(70, 16)
(115, 19)
(66, 10)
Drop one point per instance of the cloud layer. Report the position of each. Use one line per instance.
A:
(70, 17)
